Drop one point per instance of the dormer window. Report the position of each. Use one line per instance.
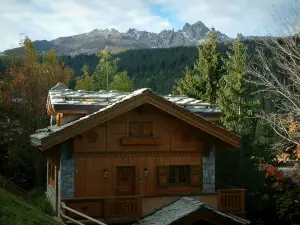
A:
(140, 129)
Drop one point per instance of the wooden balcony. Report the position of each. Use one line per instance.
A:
(122, 209)
(107, 209)
(232, 201)
(111, 210)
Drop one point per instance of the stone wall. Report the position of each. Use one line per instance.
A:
(209, 171)
(66, 173)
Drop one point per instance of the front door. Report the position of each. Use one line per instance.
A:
(125, 185)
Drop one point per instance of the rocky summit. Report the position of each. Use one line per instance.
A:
(91, 42)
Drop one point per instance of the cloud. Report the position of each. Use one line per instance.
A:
(250, 17)
(50, 19)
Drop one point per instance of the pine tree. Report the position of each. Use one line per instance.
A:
(236, 97)
(202, 81)
(190, 85)
(105, 70)
(209, 67)
(85, 82)
(107, 76)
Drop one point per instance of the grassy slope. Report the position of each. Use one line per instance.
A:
(14, 211)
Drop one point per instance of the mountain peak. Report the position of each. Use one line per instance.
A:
(199, 23)
(97, 39)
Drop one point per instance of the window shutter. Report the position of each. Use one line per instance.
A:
(134, 129)
(147, 129)
(196, 175)
(162, 175)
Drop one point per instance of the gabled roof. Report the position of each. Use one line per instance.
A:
(51, 136)
(184, 207)
(61, 99)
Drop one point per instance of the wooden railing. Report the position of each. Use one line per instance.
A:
(64, 217)
(122, 208)
(231, 200)
(108, 209)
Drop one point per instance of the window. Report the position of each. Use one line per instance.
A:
(51, 174)
(178, 174)
(140, 129)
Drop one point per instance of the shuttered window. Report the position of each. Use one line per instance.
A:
(196, 175)
(162, 172)
(140, 129)
(179, 175)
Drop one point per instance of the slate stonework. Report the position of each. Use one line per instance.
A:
(209, 171)
(66, 173)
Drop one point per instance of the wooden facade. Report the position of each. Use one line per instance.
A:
(179, 145)
(129, 165)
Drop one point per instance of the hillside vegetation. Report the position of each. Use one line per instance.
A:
(15, 211)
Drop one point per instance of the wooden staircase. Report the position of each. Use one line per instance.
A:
(68, 220)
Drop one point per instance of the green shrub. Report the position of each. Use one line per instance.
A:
(40, 200)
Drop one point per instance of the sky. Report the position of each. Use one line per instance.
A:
(50, 19)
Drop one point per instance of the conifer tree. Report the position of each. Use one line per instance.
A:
(107, 76)
(202, 81)
(121, 82)
(85, 82)
(105, 70)
(209, 67)
(236, 97)
(190, 85)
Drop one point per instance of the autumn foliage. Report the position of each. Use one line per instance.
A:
(26, 84)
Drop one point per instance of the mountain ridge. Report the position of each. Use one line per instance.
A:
(97, 39)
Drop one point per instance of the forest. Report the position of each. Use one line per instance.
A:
(254, 83)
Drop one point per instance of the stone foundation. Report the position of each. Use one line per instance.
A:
(209, 172)
(66, 173)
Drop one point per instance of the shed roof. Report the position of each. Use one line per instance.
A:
(183, 208)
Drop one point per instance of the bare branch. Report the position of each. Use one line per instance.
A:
(276, 72)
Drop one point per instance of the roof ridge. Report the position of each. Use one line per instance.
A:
(59, 87)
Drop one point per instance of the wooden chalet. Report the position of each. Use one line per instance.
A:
(118, 157)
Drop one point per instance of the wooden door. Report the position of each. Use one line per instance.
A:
(125, 184)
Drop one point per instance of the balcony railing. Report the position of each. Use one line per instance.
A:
(122, 208)
(126, 209)
(109, 209)
(232, 201)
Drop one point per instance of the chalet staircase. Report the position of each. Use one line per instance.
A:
(68, 220)
(79, 222)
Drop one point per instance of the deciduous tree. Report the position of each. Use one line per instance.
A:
(24, 93)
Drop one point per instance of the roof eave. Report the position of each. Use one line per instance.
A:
(36, 142)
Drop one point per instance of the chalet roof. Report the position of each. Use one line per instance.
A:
(182, 208)
(62, 98)
(51, 136)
